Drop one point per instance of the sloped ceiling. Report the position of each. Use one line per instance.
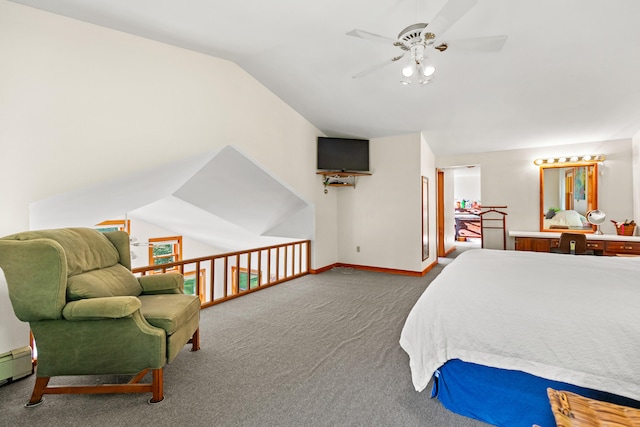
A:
(233, 188)
(567, 73)
(223, 199)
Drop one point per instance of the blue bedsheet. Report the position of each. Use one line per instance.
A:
(502, 397)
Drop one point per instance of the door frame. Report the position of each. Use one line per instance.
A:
(440, 213)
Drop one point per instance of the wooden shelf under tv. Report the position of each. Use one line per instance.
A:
(344, 179)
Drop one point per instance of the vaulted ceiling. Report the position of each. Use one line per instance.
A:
(567, 73)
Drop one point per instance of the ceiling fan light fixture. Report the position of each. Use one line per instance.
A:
(407, 70)
(418, 40)
(428, 70)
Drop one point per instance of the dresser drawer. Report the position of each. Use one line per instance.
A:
(623, 247)
(595, 245)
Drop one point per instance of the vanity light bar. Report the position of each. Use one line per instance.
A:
(572, 159)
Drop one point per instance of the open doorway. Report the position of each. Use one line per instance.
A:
(467, 204)
(458, 206)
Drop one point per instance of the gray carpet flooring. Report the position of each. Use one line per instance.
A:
(321, 350)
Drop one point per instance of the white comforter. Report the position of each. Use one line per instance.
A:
(562, 317)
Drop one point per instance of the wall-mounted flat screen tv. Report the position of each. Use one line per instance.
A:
(343, 154)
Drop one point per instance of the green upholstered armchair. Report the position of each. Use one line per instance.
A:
(90, 315)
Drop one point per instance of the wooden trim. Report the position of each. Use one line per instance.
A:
(176, 255)
(378, 269)
(440, 213)
(593, 184)
(200, 275)
(230, 259)
(541, 199)
(592, 197)
(238, 295)
(449, 252)
(123, 225)
(429, 267)
(387, 270)
(323, 269)
(235, 277)
(260, 269)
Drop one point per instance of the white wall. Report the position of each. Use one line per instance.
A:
(467, 184)
(382, 215)
(80, 104)
(636, 177)
(510, 178)
(553, 189)
(428, 169)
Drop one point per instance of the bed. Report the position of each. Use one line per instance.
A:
(565, 219)
(495, 328)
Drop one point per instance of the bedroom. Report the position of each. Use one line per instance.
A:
(59, 66)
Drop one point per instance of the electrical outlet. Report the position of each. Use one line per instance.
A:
(357, 248)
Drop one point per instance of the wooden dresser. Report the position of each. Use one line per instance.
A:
(601, 244)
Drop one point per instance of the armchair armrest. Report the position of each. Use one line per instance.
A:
(101, 308)
(167, 283)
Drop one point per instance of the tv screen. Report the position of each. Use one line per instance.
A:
(343, 154)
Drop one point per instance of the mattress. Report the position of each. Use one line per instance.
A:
(574, 319)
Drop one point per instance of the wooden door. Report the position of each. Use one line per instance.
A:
(568, 189)
(440, 212)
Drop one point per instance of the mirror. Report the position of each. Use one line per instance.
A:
(596, 217)
(568, 192)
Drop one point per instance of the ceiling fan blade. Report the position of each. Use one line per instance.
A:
(452, 11)
(479, 44)
(377, 66)
(370, 36)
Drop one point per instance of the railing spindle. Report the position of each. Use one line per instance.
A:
(268, 265)
(226, 278)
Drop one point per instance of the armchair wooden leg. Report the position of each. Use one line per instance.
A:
(195, 340)
(38, 391)
(157, 386)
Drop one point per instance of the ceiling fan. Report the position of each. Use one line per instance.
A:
(417, 39)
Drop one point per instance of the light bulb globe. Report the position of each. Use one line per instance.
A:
(407, 70)
(428, 70)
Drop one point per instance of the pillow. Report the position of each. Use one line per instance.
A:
(550, 214)
(584, 220)
(115, 281)
(569, 218)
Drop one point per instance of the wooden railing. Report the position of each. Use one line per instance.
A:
(221, 277)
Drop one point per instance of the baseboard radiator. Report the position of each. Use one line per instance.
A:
(15, 364)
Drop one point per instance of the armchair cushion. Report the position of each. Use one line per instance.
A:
(112, 281)
(101, 308)
(85, 249)
(170, 311)
(168, 283)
